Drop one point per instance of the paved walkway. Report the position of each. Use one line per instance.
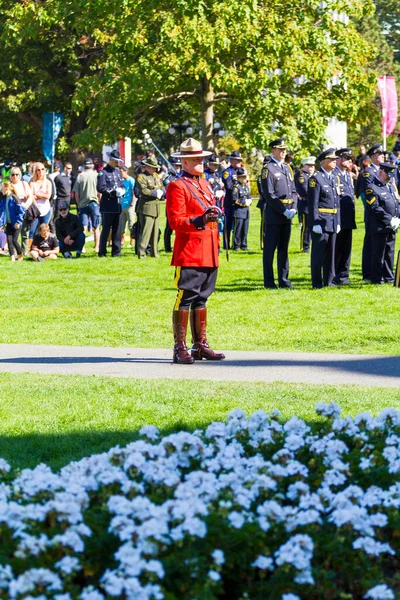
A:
(294, 367)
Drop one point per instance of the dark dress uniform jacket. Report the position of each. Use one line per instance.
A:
(301, 179)
(109, 179)
(347, 204)
(229, 177)
(382, 204)
(279, 191)
(324, 201)
(240, 194)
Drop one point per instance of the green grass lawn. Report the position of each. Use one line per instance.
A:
(126, 302)
(56, 419)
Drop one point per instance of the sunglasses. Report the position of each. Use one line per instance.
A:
(15, 174)
(39, 169)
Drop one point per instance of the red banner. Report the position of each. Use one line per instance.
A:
(387, 89)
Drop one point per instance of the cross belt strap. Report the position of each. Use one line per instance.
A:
(330, 211)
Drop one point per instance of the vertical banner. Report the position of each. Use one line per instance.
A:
(51, 128)
(388, 92)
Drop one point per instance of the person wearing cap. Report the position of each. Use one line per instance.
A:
(193, 215)
(301, 179)
(280, 193)
(344, 238)
(241, 213)
(150, 191)
(176, 164)
(262, 202)
(64, 183)
(212, 175)
(324, 219)
(69, 231)
(377, 156)
(382, 205)
(87, 200)
(111, 187)
(228, 177)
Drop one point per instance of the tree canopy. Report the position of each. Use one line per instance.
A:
(265, 68)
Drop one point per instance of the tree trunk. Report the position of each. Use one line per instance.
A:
(207, 113)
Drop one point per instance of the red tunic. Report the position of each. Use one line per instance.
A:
(195, 245)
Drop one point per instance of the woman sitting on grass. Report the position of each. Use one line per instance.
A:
(11, 217)
(45, 244)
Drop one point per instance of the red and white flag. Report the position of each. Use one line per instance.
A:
(387, 89)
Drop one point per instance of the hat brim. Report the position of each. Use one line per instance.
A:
(114, 158)
(150, 165)
(201, 154)
(329, 157)
(279, 147)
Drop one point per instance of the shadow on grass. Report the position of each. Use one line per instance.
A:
(57, 450)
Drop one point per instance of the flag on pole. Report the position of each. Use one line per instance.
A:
(52, 122)
(387, 89)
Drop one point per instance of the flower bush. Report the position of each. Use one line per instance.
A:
(249, 508)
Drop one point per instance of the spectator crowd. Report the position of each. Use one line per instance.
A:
(116, 205)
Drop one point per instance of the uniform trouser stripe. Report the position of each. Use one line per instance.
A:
(303, 231)
(176, 284)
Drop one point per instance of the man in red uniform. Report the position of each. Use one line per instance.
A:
(193, 215)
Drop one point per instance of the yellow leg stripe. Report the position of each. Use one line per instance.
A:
(178, 300)
(177, 277)
(397, 280)
(303, 231)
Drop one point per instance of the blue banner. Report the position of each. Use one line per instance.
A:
(51, 128)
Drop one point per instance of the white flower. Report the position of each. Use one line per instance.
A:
(297, 551)
(236, 519)
(28, 581)
(90, 593)
(380, 592)
(68, 564)
(218, 557)
(4, 466)
(371, 546)
(66, 596)
(290, 597)
(263, 562)
(6, 575)
(149, 431)
(328, 410)
(214, 575)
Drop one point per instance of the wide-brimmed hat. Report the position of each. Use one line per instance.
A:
(151, 162)
(235, 155)
(191, 148)
(241, 173)
(115, 155)
(214, 160)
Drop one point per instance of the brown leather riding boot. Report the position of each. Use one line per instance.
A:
(200, 348)
(179, 324)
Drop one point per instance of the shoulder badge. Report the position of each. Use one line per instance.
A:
(366, 174)
(264, 174)
(225, 174)
(140, 178)
(371, 201)
(301, 179)
(203, 176)
(313, 182)
(369, 191)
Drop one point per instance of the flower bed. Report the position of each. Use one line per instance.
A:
(250, 508)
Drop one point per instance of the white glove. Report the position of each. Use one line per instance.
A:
(338, 228)
(249, 201)
(289, 213)
(120, 191)
(219, 194)
(157, 194)
(394, 223)
(317, 229)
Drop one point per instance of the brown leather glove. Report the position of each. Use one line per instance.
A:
(211, 216)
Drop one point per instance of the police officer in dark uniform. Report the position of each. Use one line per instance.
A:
(324, 219)
(301, 179)
(170, 176)
(377, 155)
(111, 187)
(214, 178)
(228, 176)
(281, 206)
(262, 202)
(241, 213)
(344, 238)
(382, 204)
